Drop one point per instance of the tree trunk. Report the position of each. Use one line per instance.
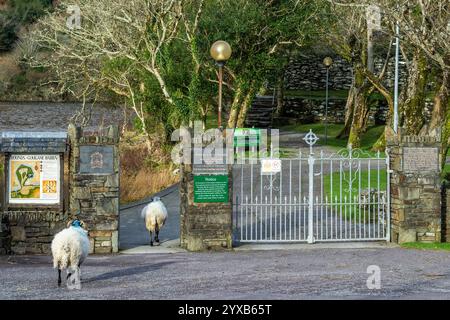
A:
(204, 111)
(360, 117)
(440, 103)
(246, 104)
(280, 95)
(380, 144)
(356, 108)
(440, 118)
(412, 108)
(235, 107)
(360, 108)
(446, 134)
(349, 107)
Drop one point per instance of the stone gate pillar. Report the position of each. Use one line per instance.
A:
(206, 201)
(446, 210)
(94, 184)
(206, 224)
(415, 187)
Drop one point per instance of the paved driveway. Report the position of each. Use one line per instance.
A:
(132, 227)
(274, 274)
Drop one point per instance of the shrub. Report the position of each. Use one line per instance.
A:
(7, 33)
(20, 12)
(142, 174)
(28, 11)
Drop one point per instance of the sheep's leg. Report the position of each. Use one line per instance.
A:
(69, 279)
(151, 238)
(74, 280)
(157, 233)
(77, 280)
(59, 277)
(69, 274)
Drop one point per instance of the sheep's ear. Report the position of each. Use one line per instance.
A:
(69, 223)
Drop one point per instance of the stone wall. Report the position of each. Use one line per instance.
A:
(446, 212)
(415, 188)
(309, 73)
(31, 232)
(204, 226)
(94, 197)
(300, 110)
(5, 238)
(303, 110)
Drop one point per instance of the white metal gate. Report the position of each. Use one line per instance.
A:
(329, 197)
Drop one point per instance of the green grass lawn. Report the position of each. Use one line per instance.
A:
(317, 128)
(447, 169)
(334, 180)
(427, 246)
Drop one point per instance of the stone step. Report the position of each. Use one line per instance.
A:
(257, 110)
(260, 113)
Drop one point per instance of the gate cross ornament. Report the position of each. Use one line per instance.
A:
(310, 138)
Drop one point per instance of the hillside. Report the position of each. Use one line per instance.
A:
(17, 80)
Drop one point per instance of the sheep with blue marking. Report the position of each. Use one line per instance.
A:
(70, 247)
(155, 215)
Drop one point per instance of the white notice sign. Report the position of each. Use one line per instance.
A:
(270, 166)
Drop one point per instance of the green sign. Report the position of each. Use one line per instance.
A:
(247, 137)
(211, 188)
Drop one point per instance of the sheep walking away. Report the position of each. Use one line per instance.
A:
(70, 248)
(155, 215)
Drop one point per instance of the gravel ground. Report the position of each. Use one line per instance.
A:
(275, 274)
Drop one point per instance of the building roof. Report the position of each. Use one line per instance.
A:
(33, 141)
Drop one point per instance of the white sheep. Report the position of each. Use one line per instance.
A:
(155, 215)
(70, 248)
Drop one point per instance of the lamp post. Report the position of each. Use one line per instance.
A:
(220, 51)
(327, 62)
(397, 49)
